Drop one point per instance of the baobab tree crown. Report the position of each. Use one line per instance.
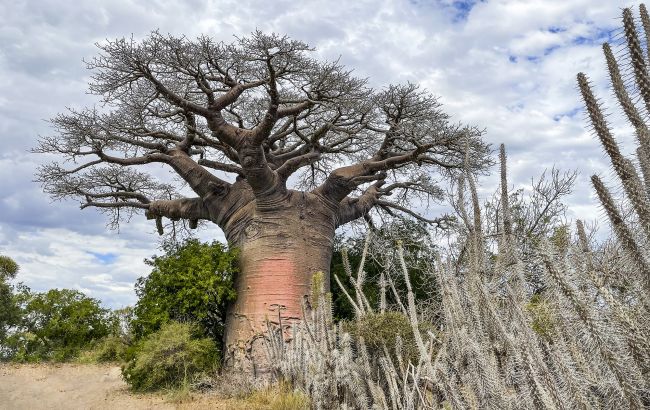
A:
(237, 122)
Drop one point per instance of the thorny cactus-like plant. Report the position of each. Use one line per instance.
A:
(629, 83)
(486, 352)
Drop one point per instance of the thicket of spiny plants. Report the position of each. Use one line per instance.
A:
(531, 311)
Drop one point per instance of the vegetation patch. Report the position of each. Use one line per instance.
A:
(192, 281)
(55, 325)
(171, 357)
(542, 316)
(279, 397)
(384, 329)
(109, 349)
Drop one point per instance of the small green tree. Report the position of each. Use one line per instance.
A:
(418, 248)
(8, 268)
(190, 282)
(9, 311)
(120, 322)
(56, 325)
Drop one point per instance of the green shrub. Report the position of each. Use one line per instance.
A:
(56, 325)
(190, 282)
(378, 329)
(170, 358)
(108, 349)
(543, 316)
(418, 248)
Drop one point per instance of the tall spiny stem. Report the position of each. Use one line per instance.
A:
(636, 57)
(582, 236)
(644, 163)
(623, 167)
(645, 22)
(618, 85)
(505, 206)
(598, 121)
(624, 99)
(477, 233)
(609, 356)
(621, 230)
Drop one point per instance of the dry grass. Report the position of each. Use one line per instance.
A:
(275, 397)
(279, 397)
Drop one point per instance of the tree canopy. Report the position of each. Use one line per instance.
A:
(190, 282)
(242, 121)
(9, 312)
(56, 324)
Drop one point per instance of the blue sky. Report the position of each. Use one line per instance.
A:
(506, 65)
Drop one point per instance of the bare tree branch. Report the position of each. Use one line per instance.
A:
(262, 109)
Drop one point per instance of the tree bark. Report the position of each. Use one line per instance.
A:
(282, 243)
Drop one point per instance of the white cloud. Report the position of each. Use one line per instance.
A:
(58, 257)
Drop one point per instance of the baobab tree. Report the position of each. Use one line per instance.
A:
(278, 148)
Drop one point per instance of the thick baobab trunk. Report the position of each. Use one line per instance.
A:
(282, 246)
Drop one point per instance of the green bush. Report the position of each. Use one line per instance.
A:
(170, 357)
(378, 329)
(56, 325)
(9, 309)
(109, 349)
(191, 282)
(543, 316)
(418, 248)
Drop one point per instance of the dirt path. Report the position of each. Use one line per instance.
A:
(70, 386)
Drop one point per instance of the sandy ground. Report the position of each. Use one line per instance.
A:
(71, 386)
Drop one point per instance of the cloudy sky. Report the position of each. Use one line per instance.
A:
(506, 65)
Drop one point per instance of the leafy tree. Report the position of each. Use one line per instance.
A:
(279, 149)
(418, 250)
(8, 268)
(190, 282)
(57, 324)
(120, 322)
(9, 311)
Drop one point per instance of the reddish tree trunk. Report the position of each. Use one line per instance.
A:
(282, 246)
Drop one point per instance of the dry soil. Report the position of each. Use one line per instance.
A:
(72, 386)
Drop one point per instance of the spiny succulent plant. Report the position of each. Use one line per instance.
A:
(487, 351)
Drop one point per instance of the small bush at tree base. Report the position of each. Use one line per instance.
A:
(169, 358)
